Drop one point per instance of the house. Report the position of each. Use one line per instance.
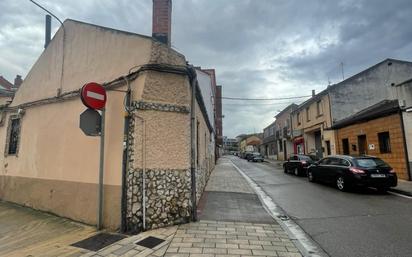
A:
(250, 143)
(7, 89)
(310, 120)
(158, 129)
(313, 119)
(269, 143)
(377, 130)
(283, 134)
(230, 145)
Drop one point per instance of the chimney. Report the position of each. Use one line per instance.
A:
(48, 31)
(162, 21)
(313, 92)
(17, 81)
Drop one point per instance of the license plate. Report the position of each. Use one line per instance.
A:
(378, 176)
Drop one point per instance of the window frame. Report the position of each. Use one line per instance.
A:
(381, 146)
(9, 136)
(308, 113)
(319, 108)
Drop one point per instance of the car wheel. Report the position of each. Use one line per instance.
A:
(311, 178)
(296, 172)
(340, 183)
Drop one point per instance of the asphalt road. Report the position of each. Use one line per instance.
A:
(361, 223)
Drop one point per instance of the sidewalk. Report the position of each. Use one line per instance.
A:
(404, 187)
(232, 223)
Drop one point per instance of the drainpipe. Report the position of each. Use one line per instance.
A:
(192, 143)
(143, 169)
(125, 159)
(405, 147)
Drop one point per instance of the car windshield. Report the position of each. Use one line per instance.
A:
(305, 158)
(256, 154)
(370, 163)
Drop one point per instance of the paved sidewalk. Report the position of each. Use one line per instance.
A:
(404, 187)
(246, 231)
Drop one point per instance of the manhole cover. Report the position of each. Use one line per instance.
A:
(99, 241)
(150, 242)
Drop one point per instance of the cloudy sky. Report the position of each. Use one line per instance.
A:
(259, 48)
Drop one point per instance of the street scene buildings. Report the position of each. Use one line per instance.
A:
(221, 143)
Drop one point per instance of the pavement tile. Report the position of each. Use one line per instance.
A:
(239, 251)
(190, 250)
(215, 250)
(210, 245)
(109, 249)
(191, 240)
(233, 246)
(145, 253)
(215, 232)
(288, 254)
(265, 253)
(186, 245)
(259, 242)
(202, 255)
(275, 248)
(216, 240)
(176, 255)
(172, 250)
(130, 253)
(292, 249)
(237, 241)
(256, 247)
(122, 250)
(249, 237)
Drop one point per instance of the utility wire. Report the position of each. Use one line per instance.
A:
(264, 99)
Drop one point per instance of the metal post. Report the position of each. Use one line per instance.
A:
(101, 171)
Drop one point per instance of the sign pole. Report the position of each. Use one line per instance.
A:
(101, 171)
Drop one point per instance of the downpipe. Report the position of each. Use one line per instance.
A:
(193, 82)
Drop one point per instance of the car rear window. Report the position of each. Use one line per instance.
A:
(370, 163)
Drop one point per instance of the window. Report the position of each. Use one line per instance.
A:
(298, 118)
(13, 136)
(280, 146)
(384, 142)
(307, 114)
(327, 147)
(345, 145)
(319, 108)
(325, 161)
(343, 162)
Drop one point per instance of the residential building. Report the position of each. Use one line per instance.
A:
(5, 84)
(157, 156)
(250, 143)
(283, 134)
(269, 143)
(378, 131)
(310, 120)
(230, 145)
(313, 118)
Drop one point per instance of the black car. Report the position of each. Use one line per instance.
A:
(348, 171)
(298, 164)
(255, 157)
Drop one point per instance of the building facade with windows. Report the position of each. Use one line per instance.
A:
(283, 134)
(269, 147)
(310, 122)
(377, 131)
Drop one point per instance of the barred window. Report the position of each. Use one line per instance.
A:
(384, 142)
(13, 136)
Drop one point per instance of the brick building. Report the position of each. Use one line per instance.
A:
(377, 130)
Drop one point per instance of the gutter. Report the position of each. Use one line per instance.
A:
(193, 84)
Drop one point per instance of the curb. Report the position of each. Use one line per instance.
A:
(400, 191)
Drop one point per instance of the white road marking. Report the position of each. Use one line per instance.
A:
(303, 242)
(404, 196)
(95, 95)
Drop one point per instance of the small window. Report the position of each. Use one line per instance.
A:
(345, 146)
(319, 107)
(298, 118)
(13, 136)
(280, 146)
(384, 142)
(307, 114)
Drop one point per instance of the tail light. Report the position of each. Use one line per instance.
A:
(392, 171)
(356, 171)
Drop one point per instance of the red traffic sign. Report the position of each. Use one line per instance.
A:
(93, 95)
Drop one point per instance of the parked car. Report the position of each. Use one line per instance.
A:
(298, 164)
(255, 157)
(348, 171)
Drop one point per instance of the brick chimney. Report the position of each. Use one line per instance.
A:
(162, 21)
(17, 81)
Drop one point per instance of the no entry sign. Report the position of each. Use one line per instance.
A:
(93, 95)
